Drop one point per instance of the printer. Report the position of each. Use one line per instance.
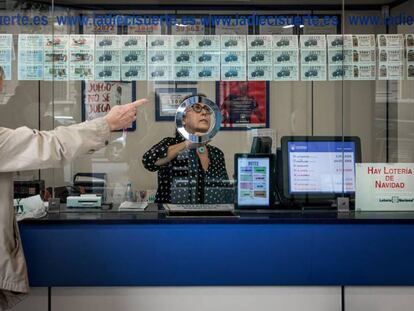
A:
(84, 200)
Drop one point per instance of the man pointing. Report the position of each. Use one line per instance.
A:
(27, 149)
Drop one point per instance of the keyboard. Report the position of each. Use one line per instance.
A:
(199, 209)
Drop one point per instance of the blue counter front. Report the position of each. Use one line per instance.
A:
(278, 248)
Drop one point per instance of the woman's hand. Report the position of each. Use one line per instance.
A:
(172, 153)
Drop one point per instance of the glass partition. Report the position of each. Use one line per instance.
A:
(26, 101)
(377, 110)
(318, 86)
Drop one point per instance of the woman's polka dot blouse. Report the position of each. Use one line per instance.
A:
(183, 179)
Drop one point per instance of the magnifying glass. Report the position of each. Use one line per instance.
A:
(215, 116)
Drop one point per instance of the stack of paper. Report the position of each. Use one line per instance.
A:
(133, 206)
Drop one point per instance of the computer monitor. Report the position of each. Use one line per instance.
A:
(313, 166)
(254, 180)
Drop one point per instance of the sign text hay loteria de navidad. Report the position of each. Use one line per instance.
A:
(384, 187)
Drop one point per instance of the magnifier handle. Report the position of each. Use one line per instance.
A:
(193, 145)
(124, 135)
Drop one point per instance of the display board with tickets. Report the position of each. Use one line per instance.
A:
(351, 57)
(285, 58)
(184, 54)
(31, 57)
(233, 58)
(56, 58)
(81, 57)
(107, 58)
(6, 42)
(313, 57)
(191, 57)
(207, 58)
(390, 57)
(409, 52)
(160, 57)
(259, 54)
(133, 58)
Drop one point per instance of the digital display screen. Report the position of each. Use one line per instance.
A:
(253, 181)
(321, 167)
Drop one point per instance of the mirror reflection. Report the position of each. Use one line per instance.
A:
(198, 119)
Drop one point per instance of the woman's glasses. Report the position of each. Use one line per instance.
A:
(199, 108)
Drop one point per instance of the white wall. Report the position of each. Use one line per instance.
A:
(261, 298)
(187, 298)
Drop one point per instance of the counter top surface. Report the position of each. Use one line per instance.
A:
(156, 214)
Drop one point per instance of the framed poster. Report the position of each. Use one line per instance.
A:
(99, 97)
(244, 104)
(167, 101)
